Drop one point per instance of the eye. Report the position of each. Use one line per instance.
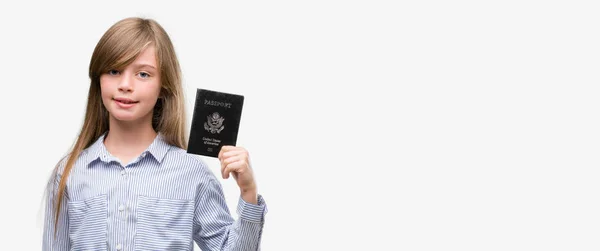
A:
(113, 72)
(144, 75)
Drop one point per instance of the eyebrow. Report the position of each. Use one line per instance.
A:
(144, 65)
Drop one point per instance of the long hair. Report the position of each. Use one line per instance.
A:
(118, 47)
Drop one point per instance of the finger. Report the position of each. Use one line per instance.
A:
(232, 167)
(222, 161)
(228, 161)
(223, 150)
(232, 153)
(228, 150)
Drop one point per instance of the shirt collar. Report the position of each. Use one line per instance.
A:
(158, 149)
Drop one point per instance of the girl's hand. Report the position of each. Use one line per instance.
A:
(236, 161)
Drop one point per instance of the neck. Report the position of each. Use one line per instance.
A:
(129, 137)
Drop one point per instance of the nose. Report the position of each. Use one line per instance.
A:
(125, 83)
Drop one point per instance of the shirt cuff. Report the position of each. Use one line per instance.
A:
(252, 212)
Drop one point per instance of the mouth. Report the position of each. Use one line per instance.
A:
(125, 101)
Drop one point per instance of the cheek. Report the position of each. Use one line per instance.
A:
(103, 89)
(155, 96)
(154, 91)
(105, 93)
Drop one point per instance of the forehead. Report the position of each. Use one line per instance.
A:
(147, 56)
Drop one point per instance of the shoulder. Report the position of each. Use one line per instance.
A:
(191, 163)
(56, 175)
(57, 172)
(61, 165)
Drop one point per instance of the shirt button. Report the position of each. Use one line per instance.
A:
(119, 246)
(121, 208)
(123, 172)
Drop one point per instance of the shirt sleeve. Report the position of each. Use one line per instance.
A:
(214, 227)
(60, 241)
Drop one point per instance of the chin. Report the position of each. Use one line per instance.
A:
(125, 117)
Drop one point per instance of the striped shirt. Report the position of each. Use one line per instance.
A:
(165, 199)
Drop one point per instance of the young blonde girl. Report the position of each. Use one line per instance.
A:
(128, 183)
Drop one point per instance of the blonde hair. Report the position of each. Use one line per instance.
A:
(118, 47)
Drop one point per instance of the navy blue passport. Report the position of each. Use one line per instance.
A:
(215, 122)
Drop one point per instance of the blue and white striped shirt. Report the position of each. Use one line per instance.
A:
(165, 199)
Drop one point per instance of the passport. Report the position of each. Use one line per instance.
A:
(215, 121)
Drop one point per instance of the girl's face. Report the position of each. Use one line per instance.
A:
(130, 94)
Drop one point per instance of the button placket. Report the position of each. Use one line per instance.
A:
(123, 208)
(123, 204)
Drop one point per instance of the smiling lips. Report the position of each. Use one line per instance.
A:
(125, 102)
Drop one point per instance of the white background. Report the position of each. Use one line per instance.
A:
(372, 125)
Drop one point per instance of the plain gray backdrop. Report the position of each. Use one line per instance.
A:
(371, 125)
